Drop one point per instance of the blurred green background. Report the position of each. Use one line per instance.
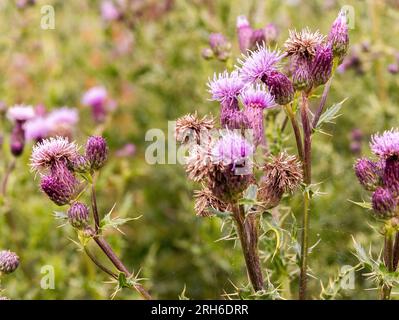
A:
(152, 67)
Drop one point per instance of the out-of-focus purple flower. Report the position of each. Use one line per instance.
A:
(232, 148)
(280, 87)
(271, 33)
(385, 145)
(369, 173)
(9, 261)
(78, 215)
(357, 134)
(384, 203)
(96, 151)
(338, 37)
(24, 3)
(220, 47)
(52, 150)
(61, 122)
(20, 113)
(321, 66)
(17, 139)
(109, 11)
(355, 147)
(128, 150)
(96, 98)
(257, 64)
(40, 110)
(393, 68)
(225, 87)
(244, 33)
(258, 37)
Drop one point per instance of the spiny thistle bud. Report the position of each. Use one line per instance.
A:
(81, 164)
(205, 200)
(391, 174)
(321, 66)
(283, 174)
(190, 127)
(96, 151)
(17, 140)
(237, 120)
(78, 215)
(384, 203)
(338, 37)
(9, 262)
(220, 46)
(280, 87)
(368, 173)
(301, 76)
(244, 33)
(60, 190)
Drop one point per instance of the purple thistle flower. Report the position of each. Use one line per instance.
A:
(257, 64)
(255, 100)
(257, 97)
(52, 150)
(96, 98)
(369, 173)
(232, 148)
(96, 151)
(384, 203)
(322, 65)
(236, 120)
(128, 150)
(386, 144)
(271, 33)
(225, 87)
(9, 262)
(338, 37)
(78, 215)
(60, 189)
(20, 113)
(280, 87)
(244, 33)
(393, 68)
(63, 116)
(36, 129)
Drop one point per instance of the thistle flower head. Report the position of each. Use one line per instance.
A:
(60, 187)
(80, 164)
(205, 201)
(236, 120)
(244, 33)
(242, 22)
(384, 203)
(9, 261)
(283, 172)
(20, 113)
(96, 151)
(51, 150)
(17, 139)
(321, 66)
(78, 215)
(301, 75)
(280, 87)
(225, 87)
(191, 126)
(36, 129)
(386, 144)
(339, 36)
(303, 43)
(369, 173)
(217, 41)
(199, 164)
(258, 63)
(390, 175)
(63, 116)
(232, 148)
(257, 97)
(95, 96)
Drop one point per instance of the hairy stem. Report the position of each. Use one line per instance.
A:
(297, 131)
(248, 234)
(307, 165)
(98, 264)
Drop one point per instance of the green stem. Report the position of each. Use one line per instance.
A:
(297, 131)
(388, 260)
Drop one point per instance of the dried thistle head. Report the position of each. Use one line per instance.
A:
(191, 126)
(303, 43)
(282, 174)
(199, 164)
(204, 200)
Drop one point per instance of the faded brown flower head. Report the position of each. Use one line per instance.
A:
(190, 127)
(283, 174)
(303, 43)
(205, 200)
(199, 164)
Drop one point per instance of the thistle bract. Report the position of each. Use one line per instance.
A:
(96, 152)
(78, 215)
(9, 262)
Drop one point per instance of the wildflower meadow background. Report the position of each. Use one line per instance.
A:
(149, 64)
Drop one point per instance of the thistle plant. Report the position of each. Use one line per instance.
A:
(381, 177)
(65, 175)
(258, 83)
(9, 262)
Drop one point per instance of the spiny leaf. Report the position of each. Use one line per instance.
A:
(365, 205)
(330, 114)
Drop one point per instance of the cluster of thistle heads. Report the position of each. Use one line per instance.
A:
(223, 163)
(63, 169)
(381, 176)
